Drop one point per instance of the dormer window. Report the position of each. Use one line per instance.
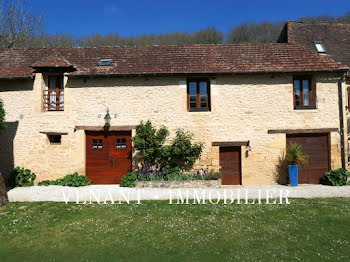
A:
(105, 62)
(320, 47)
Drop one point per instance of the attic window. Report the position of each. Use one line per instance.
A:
(320, 47)
(105, 62)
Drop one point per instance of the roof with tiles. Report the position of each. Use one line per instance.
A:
(53, 61)
(334, 36)
(153, 60)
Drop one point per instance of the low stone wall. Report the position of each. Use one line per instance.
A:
(180, 184)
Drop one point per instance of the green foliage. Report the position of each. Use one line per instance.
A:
(212, 175)
(2, 116)
(73, 180)
(23, 177)
(337, 177)
(151, 151)
(148, 142)
(182, 152)
(129, 179)
(295, 154)
(170, 174)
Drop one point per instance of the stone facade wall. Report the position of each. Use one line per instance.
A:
(242, 108)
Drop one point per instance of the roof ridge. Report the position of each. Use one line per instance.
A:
(138, 46)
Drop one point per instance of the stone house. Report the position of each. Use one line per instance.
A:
(327, 39)
(244, 102)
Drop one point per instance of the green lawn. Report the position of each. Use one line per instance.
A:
(313, 230)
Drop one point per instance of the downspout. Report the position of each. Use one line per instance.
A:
(341, 120)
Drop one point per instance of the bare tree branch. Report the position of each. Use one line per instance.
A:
(16, 22)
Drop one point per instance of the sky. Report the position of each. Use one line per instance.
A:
(136, 17)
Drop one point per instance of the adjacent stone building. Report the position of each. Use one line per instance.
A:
(327, 39)
(244, 102)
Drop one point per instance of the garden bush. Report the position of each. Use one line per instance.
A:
(23, 177)
(74, 180)
(337, 177)
(129, 179)
(181, 152)
(148, 142)
(151, 150)
(2, 116)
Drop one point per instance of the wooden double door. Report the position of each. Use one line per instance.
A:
(316, 146)
(230, 165)
(108, 156)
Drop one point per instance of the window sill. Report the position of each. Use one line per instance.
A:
(305, 108)
(56, 112)
(204, 109)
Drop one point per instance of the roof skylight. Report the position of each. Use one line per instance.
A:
(105, 62)
(320, 47)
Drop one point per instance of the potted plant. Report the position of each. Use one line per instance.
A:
(296, 156)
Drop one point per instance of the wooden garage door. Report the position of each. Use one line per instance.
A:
(316, 146)
(108, 156)
(230, 162)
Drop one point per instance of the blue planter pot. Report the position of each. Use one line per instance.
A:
(293, 175)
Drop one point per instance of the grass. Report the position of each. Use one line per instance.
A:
(307, 229)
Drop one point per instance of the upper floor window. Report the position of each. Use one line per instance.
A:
(304, 93)
(198, 95)
(54, 94)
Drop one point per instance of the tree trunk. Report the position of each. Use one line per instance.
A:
(3, 192)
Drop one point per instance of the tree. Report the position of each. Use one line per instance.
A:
(251, 32)
(326, 18)
(16, 23)
(2, 116)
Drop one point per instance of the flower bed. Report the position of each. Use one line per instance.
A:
(171, 177)
(180, 184)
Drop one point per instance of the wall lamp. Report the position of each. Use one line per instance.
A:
(248, 147)
(107, 119)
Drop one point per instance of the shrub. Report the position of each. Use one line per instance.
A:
(148, 142)
(151, 151)
(337, 177)
(295, 154)
(281, 170)
(129, 179)
(23, 177)
(182, 152)
(2, 116)
(74, 180)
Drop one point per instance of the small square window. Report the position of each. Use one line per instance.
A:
(97, 144)
(120, 143)
(320, 47)
(54, 139)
